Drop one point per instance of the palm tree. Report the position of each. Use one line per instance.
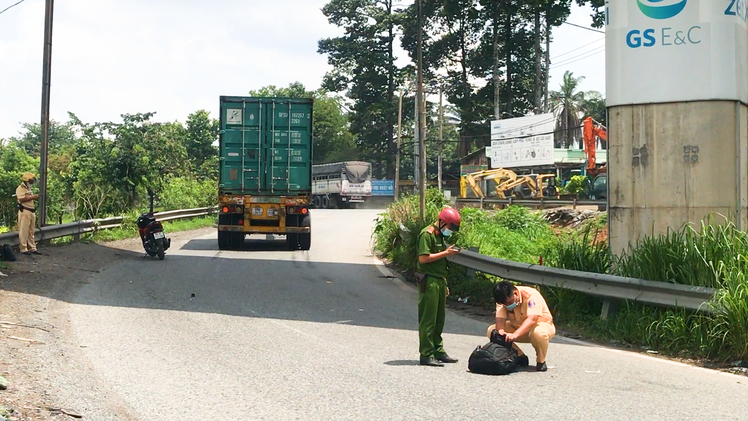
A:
(567, 104)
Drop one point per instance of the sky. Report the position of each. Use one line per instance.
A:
(175, 57)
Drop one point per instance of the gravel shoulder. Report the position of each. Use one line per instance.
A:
(39, 355)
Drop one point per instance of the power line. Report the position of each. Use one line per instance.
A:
(572, 60)
(577, 49)
(584, 27)
(13, 5)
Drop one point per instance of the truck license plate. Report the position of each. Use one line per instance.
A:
(356, 197)
(257, 211)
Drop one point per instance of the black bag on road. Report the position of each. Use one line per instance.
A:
(496, 358)
(6, 253)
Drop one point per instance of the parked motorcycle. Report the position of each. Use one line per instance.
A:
(152, 234)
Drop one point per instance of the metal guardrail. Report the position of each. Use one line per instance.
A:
(608, 286)
(541, 203)
(81, 227)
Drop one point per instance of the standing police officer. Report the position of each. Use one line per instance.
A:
(433, 269)
(26, 214)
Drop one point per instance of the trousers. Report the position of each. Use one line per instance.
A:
(431, 312)
(539, 336)
(26, 230)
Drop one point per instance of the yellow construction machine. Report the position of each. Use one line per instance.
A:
(532, 186)
(500, 176)
(508, 183)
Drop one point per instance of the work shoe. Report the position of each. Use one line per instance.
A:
(36, 252)
(26, 253)
(446, 359)
(542, 367)
(431, 361)
(523, 361)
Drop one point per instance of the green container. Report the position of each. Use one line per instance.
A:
(265, 146)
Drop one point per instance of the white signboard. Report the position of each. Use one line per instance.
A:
(676, 50)
(522, 141)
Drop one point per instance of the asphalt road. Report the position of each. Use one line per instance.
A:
(265, 333)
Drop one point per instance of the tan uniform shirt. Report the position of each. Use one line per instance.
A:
(531, 304)
(23, 191)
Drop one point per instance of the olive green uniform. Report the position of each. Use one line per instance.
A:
(432, 298)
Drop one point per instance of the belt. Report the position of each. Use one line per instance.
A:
(22, 208)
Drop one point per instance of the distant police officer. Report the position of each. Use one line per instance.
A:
(433, 269)
(522, 315)
(26, 214)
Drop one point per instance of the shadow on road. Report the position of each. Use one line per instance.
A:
(402, 363)
(250, 244)
(262, 280)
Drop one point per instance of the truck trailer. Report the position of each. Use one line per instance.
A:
(265, 179)
(341, 184)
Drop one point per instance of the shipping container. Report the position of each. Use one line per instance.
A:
(265, 177)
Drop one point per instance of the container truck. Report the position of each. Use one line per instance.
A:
(265, 179)
(341, 184)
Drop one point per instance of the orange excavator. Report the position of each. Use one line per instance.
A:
(591, 131)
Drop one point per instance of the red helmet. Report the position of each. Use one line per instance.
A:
(451, 217)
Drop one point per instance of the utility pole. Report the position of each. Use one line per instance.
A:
(547, 106)
(46, 85)
(399, 142)
(441, 133)
(416, 146)
(421, 113)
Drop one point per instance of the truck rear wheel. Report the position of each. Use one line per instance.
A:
(317, 202)
(292, 241)
(305, 239)
(237, 240)
(325, 202)
(223, 240)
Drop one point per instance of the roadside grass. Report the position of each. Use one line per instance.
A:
(712, 254)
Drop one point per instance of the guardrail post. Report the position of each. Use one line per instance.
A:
(470, 271)
(610, 307)
(574, 205)
(481, 203)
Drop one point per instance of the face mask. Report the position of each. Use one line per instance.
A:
(447, 232)
(512, 306)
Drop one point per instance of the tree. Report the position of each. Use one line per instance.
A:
(14, 161)
(593, 105)
(567, 104)
(333, 140)
(202, 133)
(364, 66)
(30, 139)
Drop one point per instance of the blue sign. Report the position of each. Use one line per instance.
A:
(382, 187)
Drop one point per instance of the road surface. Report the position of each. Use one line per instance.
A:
(265, 333)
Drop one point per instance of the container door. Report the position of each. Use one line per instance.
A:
(289, 147)
(241, 151)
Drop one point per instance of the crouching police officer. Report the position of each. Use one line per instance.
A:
(26, 216)
(433, 269)
(522, 315)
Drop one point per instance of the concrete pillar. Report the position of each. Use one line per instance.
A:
(677, 89)
(674, 163)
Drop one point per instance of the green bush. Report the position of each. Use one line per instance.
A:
(714, 255)
(188, 193)
(578, 184)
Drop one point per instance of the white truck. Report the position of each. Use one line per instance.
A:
(340, 184)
